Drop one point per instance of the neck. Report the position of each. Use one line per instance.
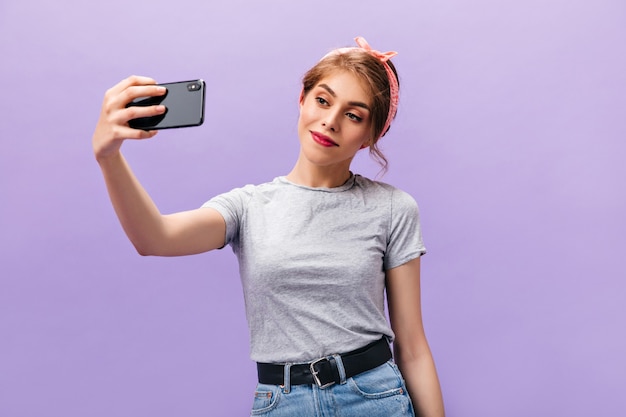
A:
(311, 175)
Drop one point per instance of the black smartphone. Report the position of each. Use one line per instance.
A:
(184, 106)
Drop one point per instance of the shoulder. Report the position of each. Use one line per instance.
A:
(247, 191)
(234, 205)
(397, 196)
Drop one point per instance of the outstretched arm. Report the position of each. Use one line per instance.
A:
(150, 232)
(411, 350)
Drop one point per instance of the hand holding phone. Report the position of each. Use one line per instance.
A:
(112, 128)
(184, 106)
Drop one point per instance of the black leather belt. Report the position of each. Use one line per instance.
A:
(324, 372)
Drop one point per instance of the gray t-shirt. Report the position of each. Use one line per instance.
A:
(313, 260)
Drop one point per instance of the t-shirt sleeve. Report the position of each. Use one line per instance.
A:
(405, 236)
(231, 205)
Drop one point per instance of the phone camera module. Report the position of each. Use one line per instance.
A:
(193, 86)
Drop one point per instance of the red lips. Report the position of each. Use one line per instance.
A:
(323, 139)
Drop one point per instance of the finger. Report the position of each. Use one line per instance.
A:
(114, 101)
(134, 112)
(133, 92)
(138, 134)
(131, 81)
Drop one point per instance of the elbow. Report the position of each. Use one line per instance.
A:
(144, 250)
(155, 248)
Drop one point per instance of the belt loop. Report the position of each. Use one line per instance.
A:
(287, 378)
(340, 368)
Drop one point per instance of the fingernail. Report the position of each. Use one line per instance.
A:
(160, 108)
(160, 89)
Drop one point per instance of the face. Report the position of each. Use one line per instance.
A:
(335, 120)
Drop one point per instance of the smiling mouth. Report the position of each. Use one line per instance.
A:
(323, 139)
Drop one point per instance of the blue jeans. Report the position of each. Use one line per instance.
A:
(379, 392)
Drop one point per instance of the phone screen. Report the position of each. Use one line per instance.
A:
(184, 106)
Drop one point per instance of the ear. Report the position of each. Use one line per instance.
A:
(366, 144)
(301, 99)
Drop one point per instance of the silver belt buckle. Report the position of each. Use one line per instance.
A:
(315, 373)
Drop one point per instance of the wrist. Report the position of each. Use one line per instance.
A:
(106, 158)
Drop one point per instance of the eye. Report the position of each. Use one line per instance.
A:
(354, 117)
(321, 101)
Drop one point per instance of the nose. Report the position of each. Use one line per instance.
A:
(331, 121)
(328, 126)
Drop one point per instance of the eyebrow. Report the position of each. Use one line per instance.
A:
(352, 103)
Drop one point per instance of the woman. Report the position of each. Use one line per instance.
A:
(317, 248)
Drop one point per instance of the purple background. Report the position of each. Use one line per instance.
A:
(511, 136)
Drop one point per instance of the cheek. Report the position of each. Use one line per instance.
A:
(302, 122)
(360, 134)
(307, 115)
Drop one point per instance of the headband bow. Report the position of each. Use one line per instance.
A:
(382, 56)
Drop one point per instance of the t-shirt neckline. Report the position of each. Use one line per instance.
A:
(343, 187)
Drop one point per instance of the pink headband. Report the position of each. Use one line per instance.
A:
(383, 57)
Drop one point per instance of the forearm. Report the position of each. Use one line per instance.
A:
(422, 383)
(137, 213)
